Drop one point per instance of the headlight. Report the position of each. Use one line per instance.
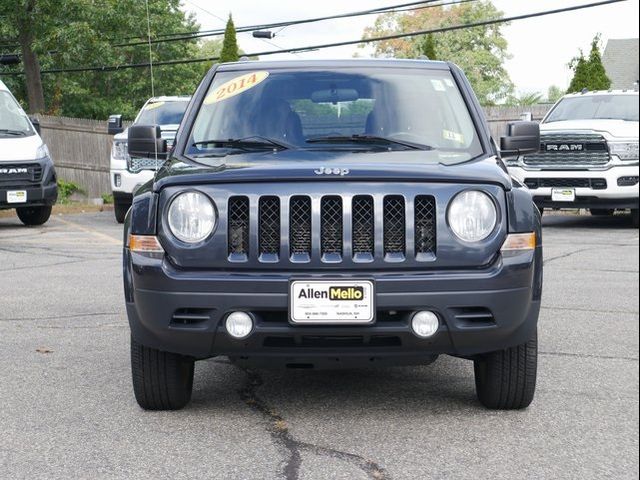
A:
(192, 217)
(624, 150)
(42, 152)
(472, 216)
(119, 150)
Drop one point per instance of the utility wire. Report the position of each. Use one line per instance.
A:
(337, 44)
(404, 7)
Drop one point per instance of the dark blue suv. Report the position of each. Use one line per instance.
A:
(331, 214)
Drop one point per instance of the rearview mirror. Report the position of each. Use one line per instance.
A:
(146, 141)
(521, 138)
(115, 125)
(36, 124)
(334, 95)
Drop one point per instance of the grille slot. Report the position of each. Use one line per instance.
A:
(300, 227)
(331, 228)
(238, 230)
(425, 225)
(593, 183)
(394, 227)
(362, 227)
(269, 226)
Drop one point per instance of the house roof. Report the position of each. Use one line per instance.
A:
(620, 60)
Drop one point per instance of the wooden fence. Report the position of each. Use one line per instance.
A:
(80, 148)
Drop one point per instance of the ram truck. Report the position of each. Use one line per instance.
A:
(129, 173)
(588, 155)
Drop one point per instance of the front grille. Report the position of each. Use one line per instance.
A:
(592, 183)
(394, 225)
(327, 227)
(136, 164)
(574, 150)
(238, 221)
(425, 224)
(20, 173)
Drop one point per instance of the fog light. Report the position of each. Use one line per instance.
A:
(425, 323)
(117, 180)
(239, 325)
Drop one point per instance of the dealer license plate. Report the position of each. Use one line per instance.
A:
(563, 195)
(17, 196)
(331, 302)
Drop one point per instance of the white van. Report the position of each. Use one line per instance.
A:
(27, 178)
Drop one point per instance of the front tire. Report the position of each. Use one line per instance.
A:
(34, 216)
(120, 211)
(161, 380)
(506, 380)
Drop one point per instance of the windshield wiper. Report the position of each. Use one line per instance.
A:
(7, 131)
(254, 142)
(370, 139)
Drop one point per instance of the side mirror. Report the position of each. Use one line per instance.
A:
(115, 124)
(36, 124)
(521, 138)
(146, 141)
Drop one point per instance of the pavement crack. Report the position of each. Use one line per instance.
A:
(279, 431)
(60, 317)
(559, 257)
(588, 355)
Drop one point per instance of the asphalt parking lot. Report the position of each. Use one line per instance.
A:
(68, 409)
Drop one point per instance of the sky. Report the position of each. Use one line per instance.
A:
(540, 48)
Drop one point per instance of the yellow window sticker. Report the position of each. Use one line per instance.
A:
(453, 136)
(151, 106)
(236, 86)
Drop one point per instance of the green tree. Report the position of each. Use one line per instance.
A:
(83, 33)
(230, 52)
(554, 93)
(580, 80)
(479, 51)
(429, 47)
(589, 72)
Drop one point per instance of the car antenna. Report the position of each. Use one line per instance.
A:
(153, 92)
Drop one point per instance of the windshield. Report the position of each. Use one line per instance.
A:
(600, 107)
(375, 109)
(162, 113)
(13, 120)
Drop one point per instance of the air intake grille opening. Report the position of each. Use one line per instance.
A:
(425, 224)
(238, 226)
(269, 229)
(300, 226)
(394, 225)
(331, 226)
(362, 225)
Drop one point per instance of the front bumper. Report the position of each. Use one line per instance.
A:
(41, 192)
(480, 311)
(614, 196)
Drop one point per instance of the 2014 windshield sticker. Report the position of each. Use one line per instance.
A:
(453, 136)
(236, 86)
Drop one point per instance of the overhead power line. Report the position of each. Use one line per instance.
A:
(403, 7)
(336, 44)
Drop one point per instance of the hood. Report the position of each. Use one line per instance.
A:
(297, 165)
(18, 149)
(168, 132)
(615, 128)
